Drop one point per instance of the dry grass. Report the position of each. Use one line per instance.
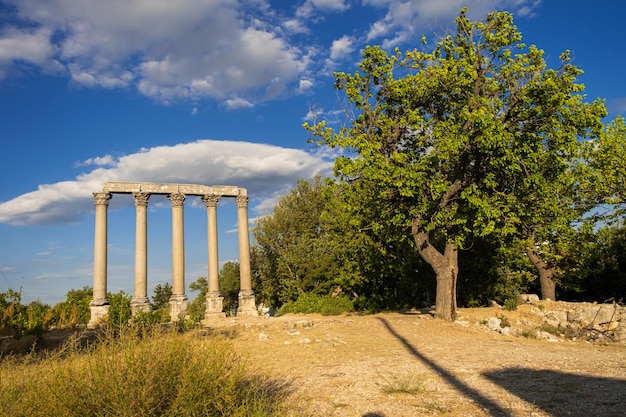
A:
(139, 373)
(406, 365)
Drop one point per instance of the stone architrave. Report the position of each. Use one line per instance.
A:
(178, 300)
(214, 300)
(140, 301)
(247, 304)
(99, 306)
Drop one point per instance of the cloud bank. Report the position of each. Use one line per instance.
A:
(238, 52)
(265, 170)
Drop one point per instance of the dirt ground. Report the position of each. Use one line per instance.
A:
(395, 365)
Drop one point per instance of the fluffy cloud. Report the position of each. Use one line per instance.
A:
(405, 20)
(341, 47)
(265, 170)
(28, 45)
(173, 50)
(168, 49)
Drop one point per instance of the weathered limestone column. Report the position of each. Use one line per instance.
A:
(178, 300)
(214, 302)
(140, 300)
(99, 306)
(247, 305)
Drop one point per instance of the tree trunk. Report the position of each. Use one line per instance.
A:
(446, 267)
(546, 275)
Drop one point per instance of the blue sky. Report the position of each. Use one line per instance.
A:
(209, 92)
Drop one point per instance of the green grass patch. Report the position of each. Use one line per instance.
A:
(402, 385)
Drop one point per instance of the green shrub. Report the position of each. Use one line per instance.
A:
(311, 303)
(510, 304)
(140, 372)
(120, 312)
(150, 318)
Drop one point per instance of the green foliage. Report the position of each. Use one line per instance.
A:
(604, 173)
(197, 307)
(119, 309)
(312, 303)
(294, 252)
(461, 141)
(74, 310)
(510, 304)
(602, 275)
(161, 298)
(152, 317)
(229, 282)
(140, 372)
(17, 319)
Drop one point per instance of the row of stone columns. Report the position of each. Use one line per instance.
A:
(178, 300)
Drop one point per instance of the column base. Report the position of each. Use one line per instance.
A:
(99, 313)
(178, 307)
(214, 306)
(138, 305)
(247, 304)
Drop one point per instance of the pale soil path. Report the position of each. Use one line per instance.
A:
(396, 365)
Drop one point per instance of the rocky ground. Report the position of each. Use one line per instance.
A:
(490, 362)
(396, 365)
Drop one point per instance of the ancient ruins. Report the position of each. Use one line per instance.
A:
(176, 193)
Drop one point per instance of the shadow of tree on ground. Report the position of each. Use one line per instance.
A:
(485, 403)
(563, 394)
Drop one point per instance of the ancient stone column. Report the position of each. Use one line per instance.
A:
(99, 306)
(214, 302)
(178, 300)
(140, 300)
(247, 305)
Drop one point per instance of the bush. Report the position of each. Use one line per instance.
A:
(139, 372)
(120, 312)
(311, 303)
(510, 304)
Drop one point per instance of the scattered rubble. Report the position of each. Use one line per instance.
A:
(559, 320)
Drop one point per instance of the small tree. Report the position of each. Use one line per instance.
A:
(198, 306)
(161, 298)
(74, 310)
(229, 285)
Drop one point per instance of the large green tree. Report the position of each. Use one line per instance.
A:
(447, 135)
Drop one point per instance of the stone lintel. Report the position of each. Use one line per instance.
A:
(187, 189)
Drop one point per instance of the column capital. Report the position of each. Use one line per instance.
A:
(141, 198)
(101, 198)
(211, 200)
(177, 199)
(242, 201)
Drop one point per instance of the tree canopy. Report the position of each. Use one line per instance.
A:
(459, 140)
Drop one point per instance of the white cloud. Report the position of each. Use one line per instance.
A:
(409, 19)
(238, 103)
(310, 6)
(265, 170)
(27, 45)
(167, 49)
(305, 85)
(341, 47)
(106, 160)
